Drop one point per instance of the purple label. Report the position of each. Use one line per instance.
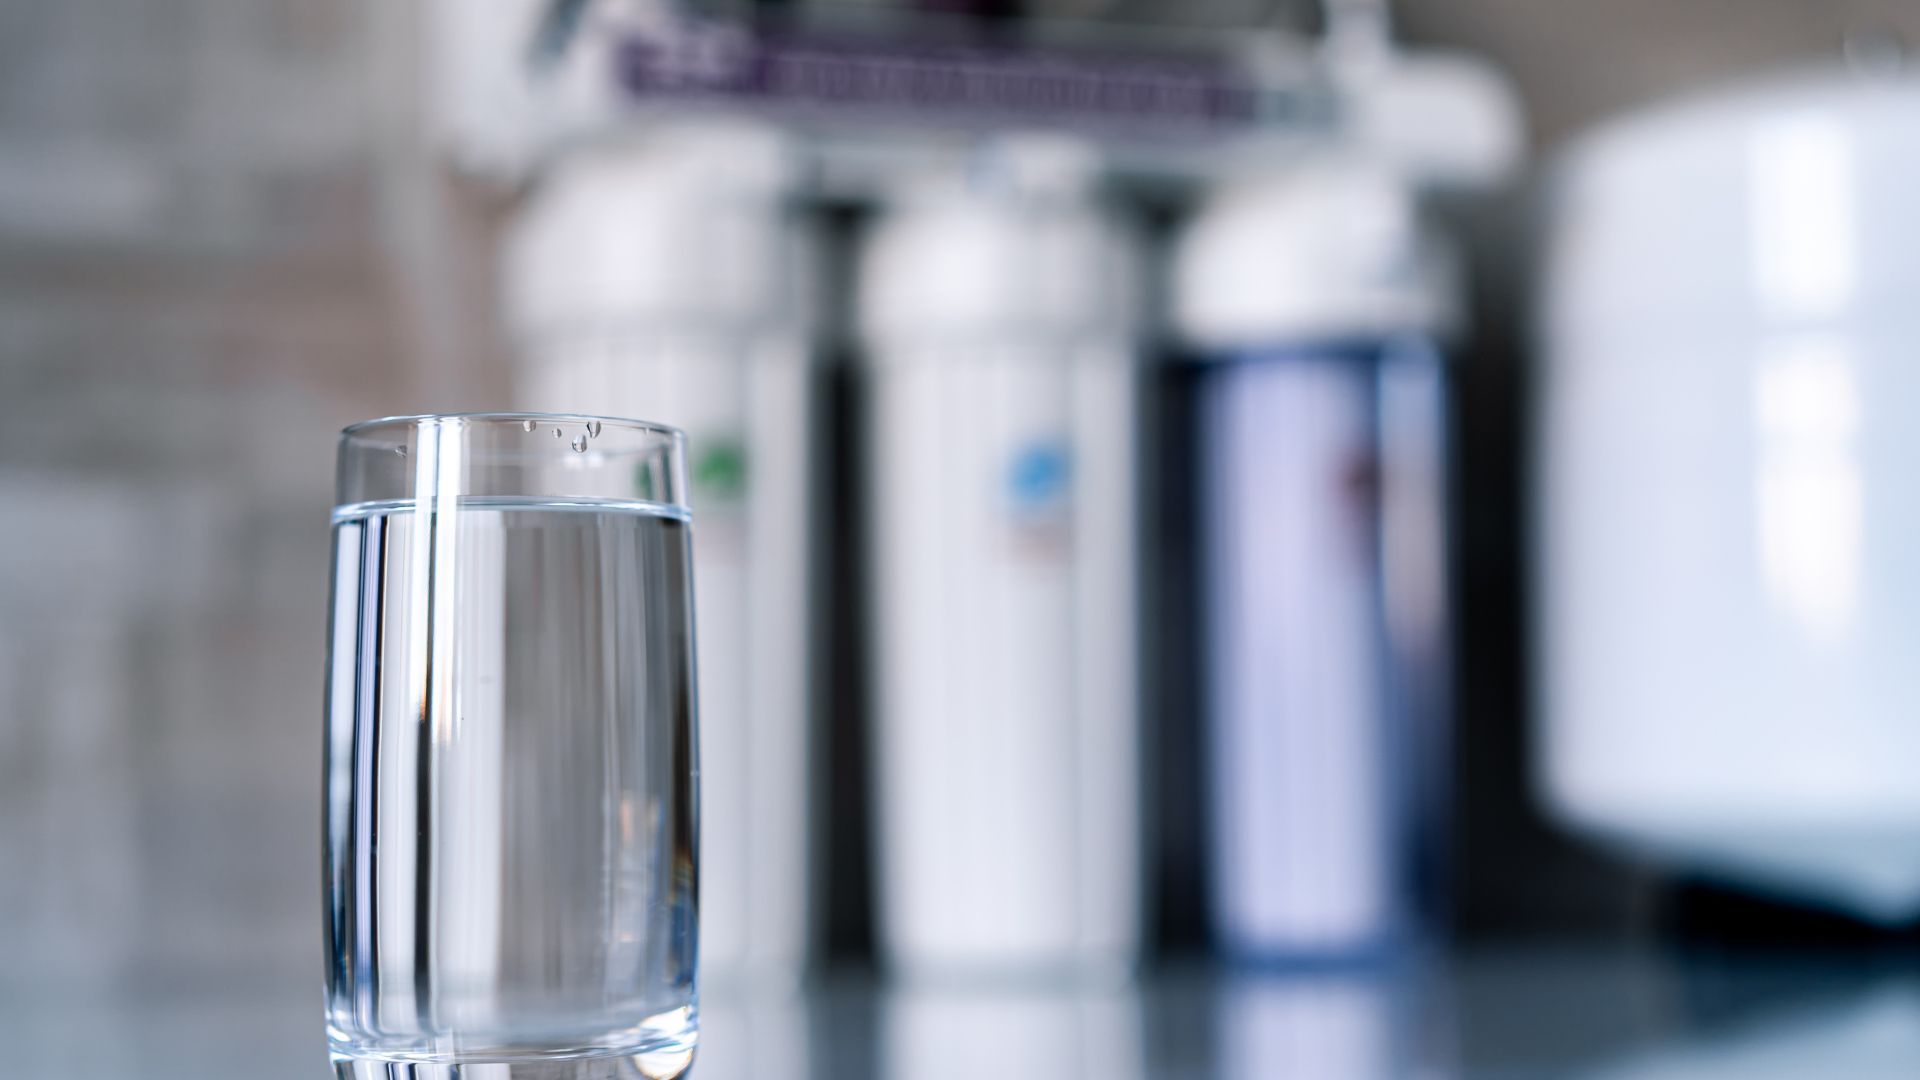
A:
(713, 60)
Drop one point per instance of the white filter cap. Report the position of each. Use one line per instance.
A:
(1439, 118)
(1786, 205)
(682, 224)
(1015, 242)
(1327, 247)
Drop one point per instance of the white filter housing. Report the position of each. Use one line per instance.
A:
(669, 279)
(998, 316)
(1730, 530)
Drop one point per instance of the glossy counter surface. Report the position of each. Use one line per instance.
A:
(1575, 1012)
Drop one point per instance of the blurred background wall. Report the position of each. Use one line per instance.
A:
(223, 235)
(197, 285)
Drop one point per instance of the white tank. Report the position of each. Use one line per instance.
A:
(997, 308)
(1728, 525)
(668, 278)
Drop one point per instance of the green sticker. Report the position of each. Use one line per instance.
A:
(720, 470)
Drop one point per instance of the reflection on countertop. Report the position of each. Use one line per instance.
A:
(1579, 1012)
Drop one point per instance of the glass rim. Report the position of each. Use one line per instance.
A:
(470, 455)
(647, 427)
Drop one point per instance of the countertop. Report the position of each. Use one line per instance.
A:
(1572, 1011)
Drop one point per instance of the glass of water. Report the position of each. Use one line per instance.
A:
(511, 761)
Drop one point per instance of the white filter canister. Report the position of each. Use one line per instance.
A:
(668, 279)
(997, 312)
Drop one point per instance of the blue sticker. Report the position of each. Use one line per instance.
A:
(1038, 477)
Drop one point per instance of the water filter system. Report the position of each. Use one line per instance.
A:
(998, 308)
(670, 277)
(1312, 300)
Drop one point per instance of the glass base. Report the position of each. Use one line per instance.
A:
(663, 1064)
(660, 1047)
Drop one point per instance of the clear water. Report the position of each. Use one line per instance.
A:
(510, 788)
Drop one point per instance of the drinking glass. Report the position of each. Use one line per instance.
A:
(511, 762)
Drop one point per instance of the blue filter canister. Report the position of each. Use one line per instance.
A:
(1312, 300)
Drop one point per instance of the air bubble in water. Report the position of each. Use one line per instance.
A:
(556, 433)
(579, 443)
(593, 429)
(527, 425)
